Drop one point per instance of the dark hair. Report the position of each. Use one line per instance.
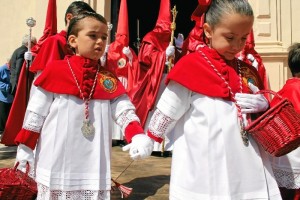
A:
(73, 28)
(294, 58)
(219, 8)
(78, 7)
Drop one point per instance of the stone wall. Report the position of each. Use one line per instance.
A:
(276, 27)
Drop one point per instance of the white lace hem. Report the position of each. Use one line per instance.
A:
(125, 118)
(44, 193)
(287, 179)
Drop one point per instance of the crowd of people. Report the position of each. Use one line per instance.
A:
(10, 73)
(192, 98)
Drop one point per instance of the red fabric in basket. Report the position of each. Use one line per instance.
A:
(16, 185)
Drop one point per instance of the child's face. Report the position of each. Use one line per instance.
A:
(229, 36)
(91, 40)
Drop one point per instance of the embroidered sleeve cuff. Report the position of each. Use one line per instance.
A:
(157, 139)
(133, 129)
(28, 138)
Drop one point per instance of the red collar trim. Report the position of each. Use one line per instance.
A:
(57, 78)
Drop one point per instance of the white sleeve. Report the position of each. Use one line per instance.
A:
(123, 111)
(173, 103)
(37, 110)
(175, 100)
(40, 102)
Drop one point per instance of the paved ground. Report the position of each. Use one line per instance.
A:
(149, 178)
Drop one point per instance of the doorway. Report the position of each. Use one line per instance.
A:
(146, 17)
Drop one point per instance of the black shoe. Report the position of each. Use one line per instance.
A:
(167, 154)
(122, 143)
(114, 143)
(156, 153)
(164, 154)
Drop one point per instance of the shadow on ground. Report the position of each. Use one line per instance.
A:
(144, 187)
(7, 152)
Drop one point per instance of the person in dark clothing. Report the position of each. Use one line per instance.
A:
(17, 60)
(5, 97)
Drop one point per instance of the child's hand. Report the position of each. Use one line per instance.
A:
(24, 155)
(252, 103)
(141, 147)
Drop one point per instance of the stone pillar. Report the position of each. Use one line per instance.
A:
(276, 27)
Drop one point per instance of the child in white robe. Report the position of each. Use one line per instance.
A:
(69, 121)
(287, 168)
(208, 99)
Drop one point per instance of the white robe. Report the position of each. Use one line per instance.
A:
(117, 133)
(287, 169)
(209, 160)
(167, 144)
(64, 158)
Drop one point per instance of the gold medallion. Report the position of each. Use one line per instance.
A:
(251, 76)
(108, 81)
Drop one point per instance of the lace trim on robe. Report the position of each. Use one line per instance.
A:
(125, 118)
(34, 122)
(160, 124)
(45, 193)
(287, 179)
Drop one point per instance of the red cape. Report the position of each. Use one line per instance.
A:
(291, 91)
(152, 57)
(50, 27)
(57, 78)
(194, 39)
(54, 48)
(195, 73)
(250, 49)
(116, 60)
(119, 63)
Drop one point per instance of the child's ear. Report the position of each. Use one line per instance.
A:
(72, 41)
(207, 30)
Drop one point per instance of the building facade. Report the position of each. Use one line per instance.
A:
(276, 27)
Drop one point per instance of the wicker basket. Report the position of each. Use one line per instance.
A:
(278, 129)
(16, 185)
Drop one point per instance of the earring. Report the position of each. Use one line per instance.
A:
(209, 42)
